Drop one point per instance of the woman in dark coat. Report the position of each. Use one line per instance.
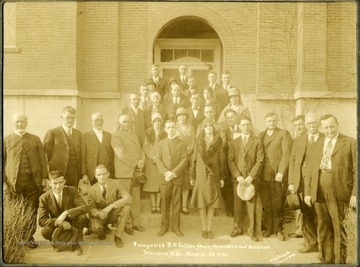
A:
(208, 171)
(152, 136)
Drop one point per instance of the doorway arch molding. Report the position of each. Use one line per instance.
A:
(197, 10)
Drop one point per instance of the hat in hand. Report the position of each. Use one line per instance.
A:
(293, 201)
(63, 239)
(245, 192)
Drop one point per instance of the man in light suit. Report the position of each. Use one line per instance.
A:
(25, 167)
(273, 184)
(245, 159)
(171, 159)
(96, 149)
(109, 203)
(297, 171)
(128, 158)
(136, 116)
(331, 186)
(63, 147)
(62, 206)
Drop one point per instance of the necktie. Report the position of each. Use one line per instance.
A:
(312, 139)
(244, 140)
(326, 156)
(103, 192)
(59, 201)
(69, 132)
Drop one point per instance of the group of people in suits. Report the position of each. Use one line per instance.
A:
(174, 140)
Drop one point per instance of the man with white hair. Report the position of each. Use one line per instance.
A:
(96, 149)
(129, 158)
(25, 168)
(298, 168)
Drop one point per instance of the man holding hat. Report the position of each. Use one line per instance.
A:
(109, 203)
(62, 210)
(245, 159)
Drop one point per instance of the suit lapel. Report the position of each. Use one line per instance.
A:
(63, 135)
(248, 144)
(270, 138)
(95, 138)
(66, 199)
(53, 204)
(339, 144)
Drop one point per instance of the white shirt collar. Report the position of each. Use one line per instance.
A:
(134, 109)
(316, 136)
(21, 134)
(67, 129)
(57, 195)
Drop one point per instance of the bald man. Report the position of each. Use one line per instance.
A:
(25, 167)
(128, 158)
(96, 149)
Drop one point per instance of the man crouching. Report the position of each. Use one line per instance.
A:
(109, 203)
(62, 207)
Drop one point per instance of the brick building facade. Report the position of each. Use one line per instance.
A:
(290, 58)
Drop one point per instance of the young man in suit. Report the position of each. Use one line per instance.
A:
(129, 157)
(330, 185)
(273, 184)
(62, 206)
(25, 167)
(63, 147)
(136, 116)
(109, 203)
(226, 85)
(171, 159)
(245, 159)
(298, 168)
(96, 149)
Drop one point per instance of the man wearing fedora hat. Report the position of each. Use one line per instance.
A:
(245, 159)
(109, 203)
(63, 207)
(298, 168)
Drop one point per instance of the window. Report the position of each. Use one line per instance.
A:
(169, 55)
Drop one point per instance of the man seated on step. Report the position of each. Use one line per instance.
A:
(109, 203)
(63, 207)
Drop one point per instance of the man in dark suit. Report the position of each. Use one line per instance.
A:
(25, 167)
(196, 110)
(136, 115)
(63, 147)
(219, 95)
(62, 206)
(245, 159)
(331, 185)
(109, 203)
(158, 81)
(128, 158)
(171, 159)
(226, 85)
(176, 101)
(192, 88)
(96, 149)
(232, 130)
(183, 79)
(273, 184)
(299, 127)
(297, 171)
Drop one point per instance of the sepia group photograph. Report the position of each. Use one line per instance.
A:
(179, 133)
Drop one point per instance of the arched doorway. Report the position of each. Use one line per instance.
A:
(190, 41)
